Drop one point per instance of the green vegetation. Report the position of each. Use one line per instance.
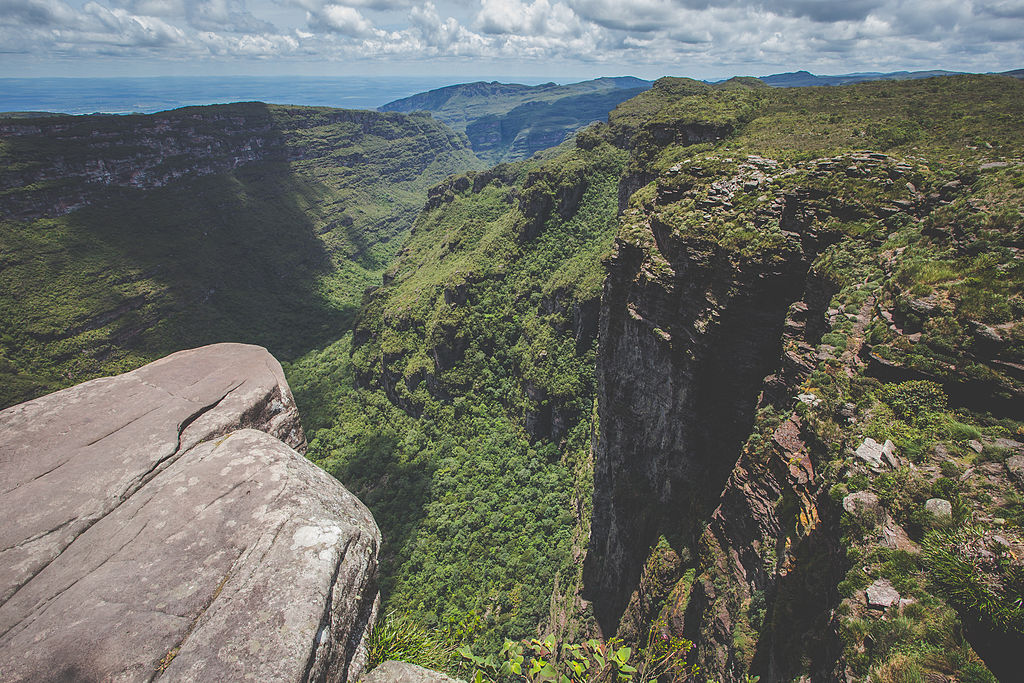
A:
(396, 638)
(273, 252)
(480, 481)
(548, 661)
(457, 399)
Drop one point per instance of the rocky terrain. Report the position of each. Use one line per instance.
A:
(160, 525)
(733, 377)
(802, 410)
(762, 320)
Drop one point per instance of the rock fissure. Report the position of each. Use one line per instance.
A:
(320, 651)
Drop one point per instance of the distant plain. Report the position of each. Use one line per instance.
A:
(152, 94)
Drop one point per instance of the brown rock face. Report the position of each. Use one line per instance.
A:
(146, 537)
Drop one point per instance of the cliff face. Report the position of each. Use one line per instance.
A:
(66, 160)
(52, 166)
(161, 525)
(751, 339)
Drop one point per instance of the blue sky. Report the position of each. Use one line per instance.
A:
(558, 39)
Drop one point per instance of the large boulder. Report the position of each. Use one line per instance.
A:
(156, 526)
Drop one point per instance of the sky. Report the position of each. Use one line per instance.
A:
(560, 40)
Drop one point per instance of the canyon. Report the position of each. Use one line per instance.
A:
(739, 367)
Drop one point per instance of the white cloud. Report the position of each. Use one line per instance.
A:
(340, 19)
(506, 17)
(682, 36)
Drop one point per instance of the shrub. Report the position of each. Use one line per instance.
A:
(911, 401)
(397, 638)
(989, 590)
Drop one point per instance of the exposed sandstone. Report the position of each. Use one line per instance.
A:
(156, 527)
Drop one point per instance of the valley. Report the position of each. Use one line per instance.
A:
(623, 384)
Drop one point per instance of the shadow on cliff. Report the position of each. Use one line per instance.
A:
(395, 488)
(230, 256)
(798, 633)
(661, 474)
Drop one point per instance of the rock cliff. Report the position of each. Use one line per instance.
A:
(161, 524)
(764, 321)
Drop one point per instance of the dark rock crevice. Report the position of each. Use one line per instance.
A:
(680, 369)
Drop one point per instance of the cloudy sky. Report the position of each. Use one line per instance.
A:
(557, 39)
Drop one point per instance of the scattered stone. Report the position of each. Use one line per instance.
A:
(870, 452)
(889, 454)
(809, 399)
(975, 445)
(1015, 465)
(939, 507)
(1008, 444)
(881, 594)
(999, 540)
(403, 672)
(863, 503)
(895, 538)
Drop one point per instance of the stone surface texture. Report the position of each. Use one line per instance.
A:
(160, 524)
(882, 594)
(1015, 466)
(939, 507)
(863, 502)
(403, 672)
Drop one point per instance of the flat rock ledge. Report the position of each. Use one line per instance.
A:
(161, 525)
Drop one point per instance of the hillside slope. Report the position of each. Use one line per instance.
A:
(799, 271)
(509, 121)
(124, 238)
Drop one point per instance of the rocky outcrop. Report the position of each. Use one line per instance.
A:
(680, 365)
(699, 331)
(160, 523)
(403, 672)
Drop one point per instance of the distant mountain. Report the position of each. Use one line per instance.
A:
(510, 121)
(798, 79)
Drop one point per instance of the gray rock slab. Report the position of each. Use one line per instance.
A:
(881, 594)
(153, 545)
(939, 507)
(403, 672)
(862, 501)
(69, 458)
(873, 452)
